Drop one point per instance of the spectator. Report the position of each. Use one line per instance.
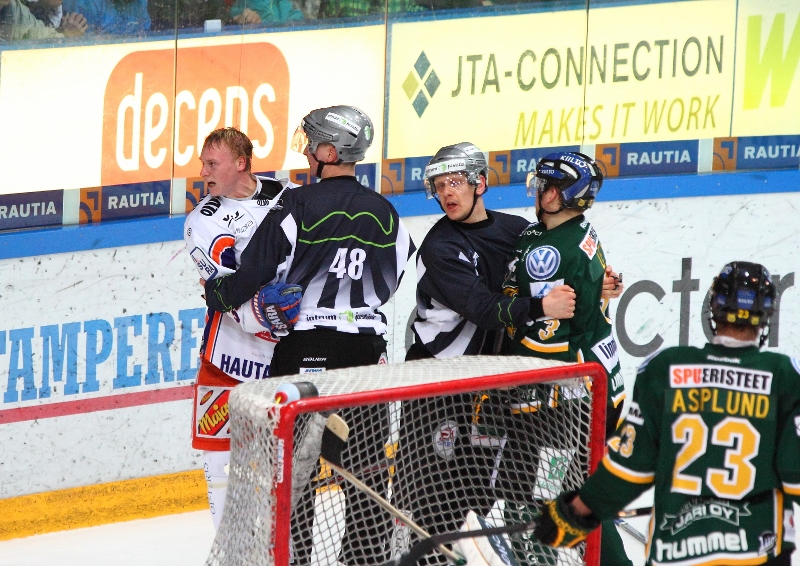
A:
(169, 15)
(17, 22)
(52, 14)
(264, 11)
(119, 17)
(355, 8)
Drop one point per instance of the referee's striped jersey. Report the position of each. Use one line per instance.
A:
(342, 243)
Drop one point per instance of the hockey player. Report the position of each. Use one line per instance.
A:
(564, 249)
(715, 430)
(235, 346)
(461, 310)
(460, 265)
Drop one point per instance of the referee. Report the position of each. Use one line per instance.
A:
(341, 242)
(346, 247)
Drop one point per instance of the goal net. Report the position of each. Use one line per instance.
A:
(436, 438)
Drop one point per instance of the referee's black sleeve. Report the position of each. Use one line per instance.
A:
(259, 264)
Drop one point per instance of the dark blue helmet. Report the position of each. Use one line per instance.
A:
(574, 174)
(742, 294)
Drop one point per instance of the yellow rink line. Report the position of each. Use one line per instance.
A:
(94, 505)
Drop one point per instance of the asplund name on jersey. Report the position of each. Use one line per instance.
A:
(728, 390)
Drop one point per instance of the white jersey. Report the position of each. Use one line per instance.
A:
(216, 232)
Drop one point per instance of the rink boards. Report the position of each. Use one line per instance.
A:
(99, 343)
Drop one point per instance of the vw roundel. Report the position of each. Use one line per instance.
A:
(542, 263)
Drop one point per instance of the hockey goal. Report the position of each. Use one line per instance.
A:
(436, 438)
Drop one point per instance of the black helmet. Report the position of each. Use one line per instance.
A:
(742, 294)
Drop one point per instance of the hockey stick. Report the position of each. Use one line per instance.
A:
(422, 548)
(334, 439)
(412, 556)
(640, 512)
(635, 533)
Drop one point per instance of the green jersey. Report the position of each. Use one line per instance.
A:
(569, 254)
(704, 428)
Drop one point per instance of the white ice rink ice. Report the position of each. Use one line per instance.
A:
(173, 540)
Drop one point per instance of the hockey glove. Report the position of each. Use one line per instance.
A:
(277, 307)
(559, 526)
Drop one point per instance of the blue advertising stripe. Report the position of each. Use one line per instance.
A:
(630, 188)
(164, 229)
(658, 158)
(762, 152)
(25, 210)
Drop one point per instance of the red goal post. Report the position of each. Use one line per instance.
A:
(437, 438)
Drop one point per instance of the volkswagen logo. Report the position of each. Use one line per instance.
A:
(542, 263)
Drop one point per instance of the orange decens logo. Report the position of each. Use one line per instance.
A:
(159, 108)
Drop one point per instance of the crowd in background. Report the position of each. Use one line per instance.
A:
(52, 19)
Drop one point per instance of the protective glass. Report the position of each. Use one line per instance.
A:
(534, 184)
(300, 141)
(437, 186)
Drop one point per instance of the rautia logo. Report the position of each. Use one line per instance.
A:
(152, 95)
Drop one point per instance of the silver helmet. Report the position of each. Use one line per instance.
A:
(463, 157)
(347, 128)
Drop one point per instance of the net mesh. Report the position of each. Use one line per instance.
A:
(436, 438)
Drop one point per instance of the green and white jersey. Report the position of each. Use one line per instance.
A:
(716, 431)
(569, 254)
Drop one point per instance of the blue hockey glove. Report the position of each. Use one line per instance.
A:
(559, 526)
(277, 307)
